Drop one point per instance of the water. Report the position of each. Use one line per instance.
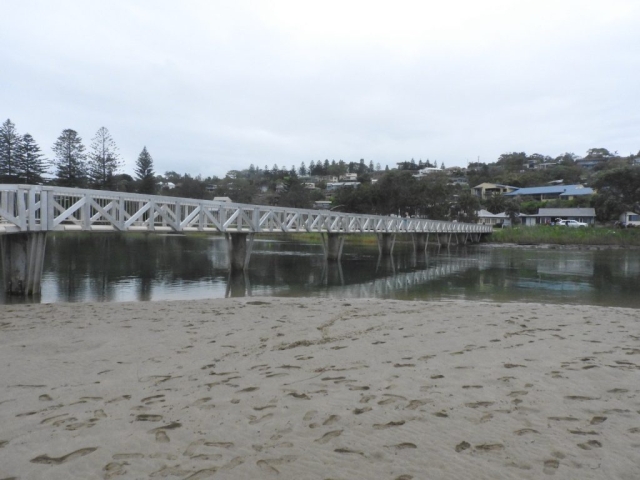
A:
(129, 267)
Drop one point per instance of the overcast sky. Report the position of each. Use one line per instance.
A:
(211, 86)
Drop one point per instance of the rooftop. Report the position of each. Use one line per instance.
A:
(562, 190)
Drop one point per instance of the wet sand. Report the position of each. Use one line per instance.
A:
(319, 389)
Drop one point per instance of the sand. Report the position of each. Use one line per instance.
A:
(319, 389)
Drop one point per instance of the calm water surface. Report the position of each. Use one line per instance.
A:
(128, 267)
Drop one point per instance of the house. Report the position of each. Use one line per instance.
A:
(322, 204)
(222, 199)
(309, 185)
(349, 177)
(630, 218)
(485, 190)
(485, 217)
(544, 166)
(549, 215)
(589, 163)
(554, 192)
(423, 172)
(331, 187)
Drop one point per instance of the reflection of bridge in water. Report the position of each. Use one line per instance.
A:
(388, 278)
(28, 212)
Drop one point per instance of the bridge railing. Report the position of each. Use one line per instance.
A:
(25, 208)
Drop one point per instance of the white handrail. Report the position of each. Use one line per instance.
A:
(26, 208)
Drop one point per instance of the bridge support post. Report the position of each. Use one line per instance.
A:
(332, 244)
(420, 241)
(386, 242)
(22, 261)
(238, 284)
(239, 251)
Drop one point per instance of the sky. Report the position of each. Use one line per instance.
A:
(210, 86)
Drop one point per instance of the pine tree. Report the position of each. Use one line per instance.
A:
(31, 164)
(9, 151)
(104, 160)
(70, 159)
(144, 173)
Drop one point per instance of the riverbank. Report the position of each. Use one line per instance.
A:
(558, 235)
(312, 388)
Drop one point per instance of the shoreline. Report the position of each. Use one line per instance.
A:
(318, 388)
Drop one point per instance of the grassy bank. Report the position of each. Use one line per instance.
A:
(566, 236)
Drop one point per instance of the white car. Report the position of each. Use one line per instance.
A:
(571, 223)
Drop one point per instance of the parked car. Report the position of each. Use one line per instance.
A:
(571, 223)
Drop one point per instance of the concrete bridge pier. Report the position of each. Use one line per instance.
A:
(386, 242)
(332, 244)
(420, 242)
(22, 261)
(239, 250)
(238, 284)
(332, 274)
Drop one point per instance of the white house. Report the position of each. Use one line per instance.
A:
(630, 218)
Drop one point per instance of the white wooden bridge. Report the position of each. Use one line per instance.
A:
(28, 212)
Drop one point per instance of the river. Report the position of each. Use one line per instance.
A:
(86, 267)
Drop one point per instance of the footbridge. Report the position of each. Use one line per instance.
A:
(28, 212)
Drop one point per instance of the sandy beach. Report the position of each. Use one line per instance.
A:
(319, 389)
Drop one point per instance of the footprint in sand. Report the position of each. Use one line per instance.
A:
(254, 420)
(153, 399)
(171, 426)
(309, 415)
(590, 444)
(489, 447)
(479, 404)
(359, 411)
(248, 389)
(379, 426)
(114, 469)
(415, 404)
(402, 446)
(148, 418)
(331, 420)
(462, 446)
(550, 466)
(46, 459)
(328, 436)
(301, 396)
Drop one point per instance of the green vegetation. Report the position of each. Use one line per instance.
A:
(566, 236)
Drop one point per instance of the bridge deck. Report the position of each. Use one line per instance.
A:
(33, 208)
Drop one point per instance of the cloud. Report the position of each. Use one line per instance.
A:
(214, 86)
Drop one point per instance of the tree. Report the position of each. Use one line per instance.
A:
(512, 209)
(495, 203)
(9, 151)
(600, 153)
(466, 208)
(104, 160)
(618, 190)
(31, 162)
(294, 194)
(144, 173)
(70, 159)
(302, 170)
